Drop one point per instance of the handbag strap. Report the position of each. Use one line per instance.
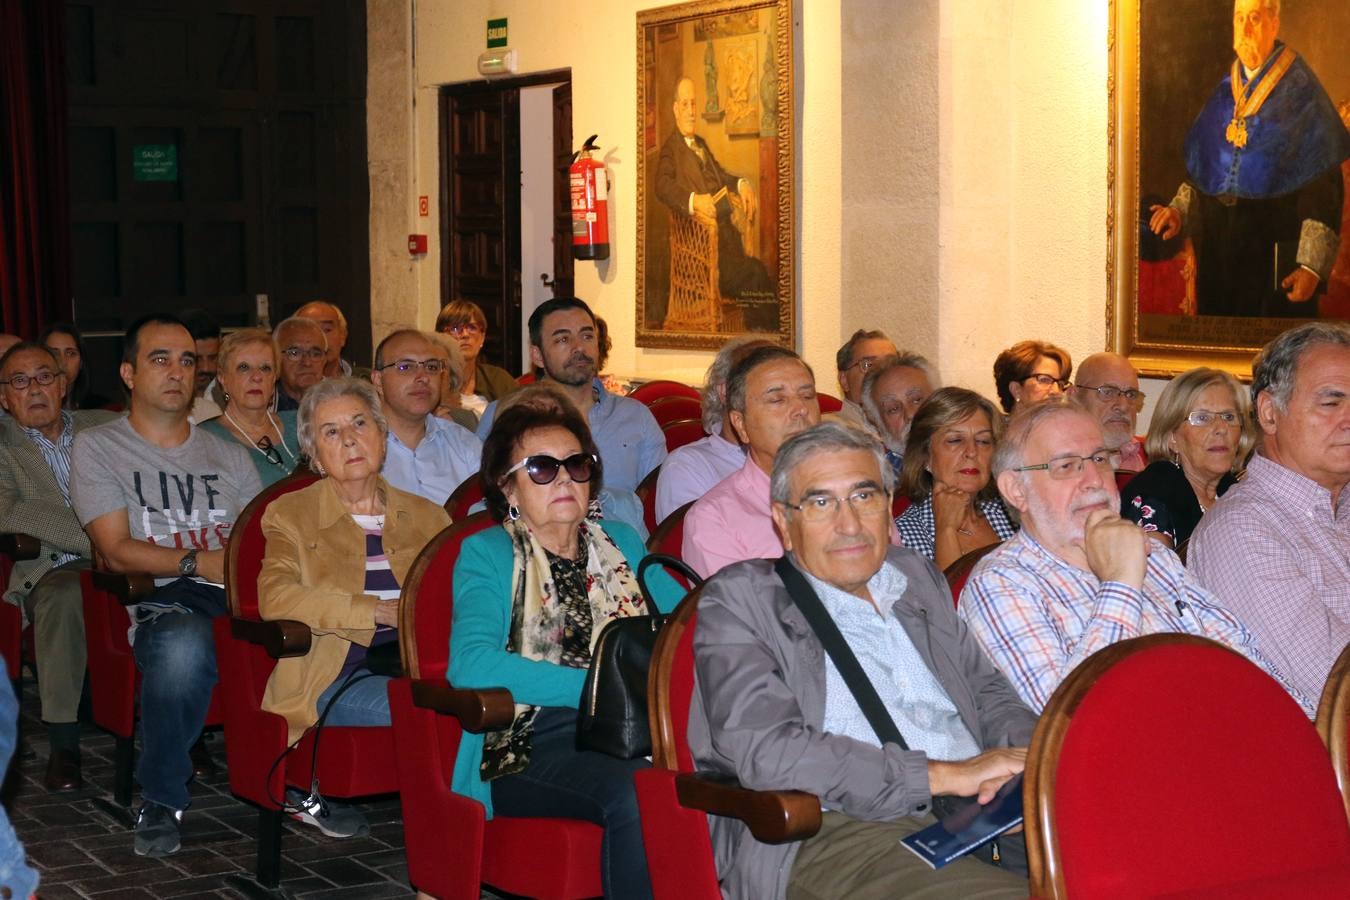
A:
(802, 594)
(669, 562)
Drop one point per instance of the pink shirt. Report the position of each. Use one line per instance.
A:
(731, 523)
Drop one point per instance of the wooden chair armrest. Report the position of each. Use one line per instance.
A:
(478, 709)
(128, 588)
(279, 637)
(18, 546)
(774, 817)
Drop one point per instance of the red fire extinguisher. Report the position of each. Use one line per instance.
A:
(590, 204)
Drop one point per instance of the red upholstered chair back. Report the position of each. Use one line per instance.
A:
(828, 403)
(1124, 477)
(1154, 769)
(527, 378)
(900, 503)
(670, 687)
(244, 552)
(462, 499)
(959, 571)
(652, 391)
(428, 599)
(1333, 722)
(675, 409)
(681, 432)
(646, 492)
(668, 537)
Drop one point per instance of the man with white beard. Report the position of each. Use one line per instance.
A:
(1078, 577)
(1108, 387)
(894, 389)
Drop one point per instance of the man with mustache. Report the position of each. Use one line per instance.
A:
(1263, 194)
(771, 395)
(564, 344)
(892, 393)
(772, 710)
(427, 455)
(1108, 387)
(1078, 577)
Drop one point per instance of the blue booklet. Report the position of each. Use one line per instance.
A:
(974, 826)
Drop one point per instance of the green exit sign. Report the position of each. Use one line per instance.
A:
(496, 33)
(154, 162)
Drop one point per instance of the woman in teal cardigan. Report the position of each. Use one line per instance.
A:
(529, 600)
(248, 379)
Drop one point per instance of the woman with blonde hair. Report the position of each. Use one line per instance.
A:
(1199, 440)
(246, 381)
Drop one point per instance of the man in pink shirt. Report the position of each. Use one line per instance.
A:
(771, 395)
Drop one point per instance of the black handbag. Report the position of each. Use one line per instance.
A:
(612, 717)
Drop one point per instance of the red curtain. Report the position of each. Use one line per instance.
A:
(34, 191)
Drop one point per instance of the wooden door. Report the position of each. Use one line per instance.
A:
(564, 283)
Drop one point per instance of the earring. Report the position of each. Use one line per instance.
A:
(512, 512)
(323, 473)
(227, 396)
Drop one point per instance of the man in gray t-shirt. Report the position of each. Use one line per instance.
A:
(158, 496)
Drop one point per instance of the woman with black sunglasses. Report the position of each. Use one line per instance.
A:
(530, 598)
(246, 393)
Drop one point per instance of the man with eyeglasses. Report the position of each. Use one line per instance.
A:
(855, 359)
(1108, 387)
(1276, 546)
(35, 445)
(1078, 577)
(303, 347)
(159, 496)
(334, 325)
(427, 455)
(892, 393)
(771, 709)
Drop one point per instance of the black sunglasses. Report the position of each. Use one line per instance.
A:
(543, 469)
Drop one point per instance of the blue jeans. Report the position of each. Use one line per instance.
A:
(15, 873)
(177, 659)
(365, 704)
(568, 783)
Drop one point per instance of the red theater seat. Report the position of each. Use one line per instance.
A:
(675, 409)
(1164, 765)
(1333, 722)
(681, 432)
(828, 403)
(959, 571)
(452, 848)
(463, 498)
(14, 638)
(652, 391)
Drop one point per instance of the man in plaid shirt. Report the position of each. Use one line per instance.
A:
(1078, 577)
(1277, 547)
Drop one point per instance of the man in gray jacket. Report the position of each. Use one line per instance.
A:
(771, 710)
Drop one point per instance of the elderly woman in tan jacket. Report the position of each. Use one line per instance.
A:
(337, 553)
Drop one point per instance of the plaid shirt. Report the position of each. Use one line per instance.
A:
(1038, 617)
(918, 526)
(1278, 552)
(57, 456)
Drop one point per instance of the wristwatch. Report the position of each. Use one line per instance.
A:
(187, 566)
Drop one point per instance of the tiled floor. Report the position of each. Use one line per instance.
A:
(81, 842)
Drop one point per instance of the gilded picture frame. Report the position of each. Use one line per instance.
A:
(715, 161)
(1169, 62)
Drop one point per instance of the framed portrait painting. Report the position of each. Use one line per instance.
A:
(1229, 176)
(714, 202)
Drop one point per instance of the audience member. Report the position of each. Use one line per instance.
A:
(530, 600)
(1197, 443)
(17, 878)
(483, 382)
(1108, 387)
(159, 496)
(855, 359)
(691, 471)
(1277, 546)
(771, 395)
(338, 552)
(67, 344)
(772, 710)
(334, 325)
(1029, 371)
(206, 336)
(247, 386)
(1078, 577)
(894, 389)
(303, 347)
(35, 445)
(946, 473)
(452, 376)
(7, 341)
(563, 343)
(427, 455)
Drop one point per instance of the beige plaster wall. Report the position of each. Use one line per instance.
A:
(953, 182)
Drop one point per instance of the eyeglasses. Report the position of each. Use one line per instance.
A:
(543, 469)
(466, 328)
(20, 382)
(270, 451)
(1047, 380)
(311, 353)
(1109, 393)
(865, 503)
(1062, 467)
(1203, 418)
(404, 366)
(865, 364)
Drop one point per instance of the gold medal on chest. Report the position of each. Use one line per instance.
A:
(1237, 132)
